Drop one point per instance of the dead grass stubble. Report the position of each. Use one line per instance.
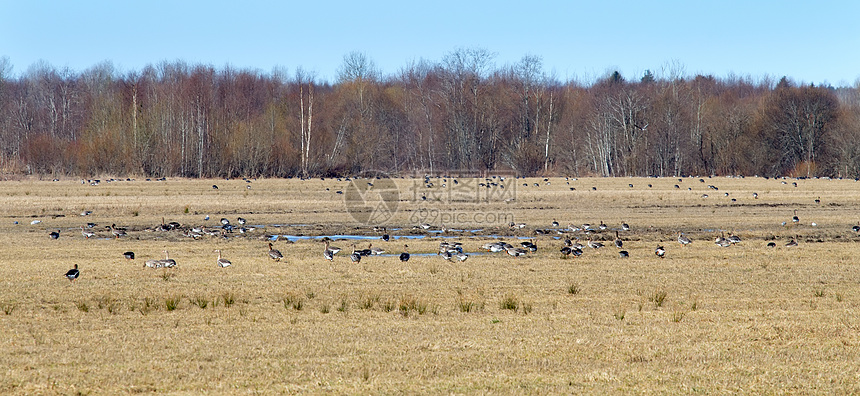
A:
(704, 319)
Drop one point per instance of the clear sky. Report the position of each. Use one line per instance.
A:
(808, 41)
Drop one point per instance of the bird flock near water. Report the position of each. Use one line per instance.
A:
(452, 251)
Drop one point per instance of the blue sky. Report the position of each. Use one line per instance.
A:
(813, 42)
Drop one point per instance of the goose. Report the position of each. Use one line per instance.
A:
(460, 256)
(722, 242)
(386, 237)
(153, 264)
(275, 254)
(795, 219)
(554, 223)
(755, 195)
(494, 247)
(355, 256)
(54, 234)
(87, 233)
(334, 250)
(168, 262)
(163, 227)
(618, 242)
(375, 251)
(328, 253)
(594, 245)
(516, 252)
(73, 273)
(241, 221)
(128, 255)
(682, 239)
(856, 228)
(224, 221)
(792, 242)
(734, 238)
(576, 252)
(660, 251)
(117, 232)
(566, 250)
(818, 200)
(771, 244)
(530, 245)
(623, 254)
(450, 247)
(404, 257)
(222, 262)
(365, 252)
(602, 226)
(625, 227)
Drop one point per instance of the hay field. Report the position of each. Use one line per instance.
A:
(705, 319)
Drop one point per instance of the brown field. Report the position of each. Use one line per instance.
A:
(706, 319)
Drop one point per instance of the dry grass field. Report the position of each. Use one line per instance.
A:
(705, 319)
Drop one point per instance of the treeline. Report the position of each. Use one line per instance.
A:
(462, 113)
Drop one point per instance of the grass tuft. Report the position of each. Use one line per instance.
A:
(658, 298)
(200, 301)
(469, 306)
(573, 289)
(228, 299)
(293, 301)
(409, 304)
(510, 302)
(527, 308)
(171, 303)
(8, 308)
(344, 305)
(368, 301)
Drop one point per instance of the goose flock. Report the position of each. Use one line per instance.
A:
(576, 239)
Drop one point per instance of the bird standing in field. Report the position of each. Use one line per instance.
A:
(222, 262)
(594, 245)
(328, 253)
(618, 242)
(87, 233)
(682, 239)
(117, 232)
(355, 256)
(795, 219)
(660, 251)
(73, 273)
(54, 234)
(128, 255)
(334, 250)
(275, 254)
(404, 257)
